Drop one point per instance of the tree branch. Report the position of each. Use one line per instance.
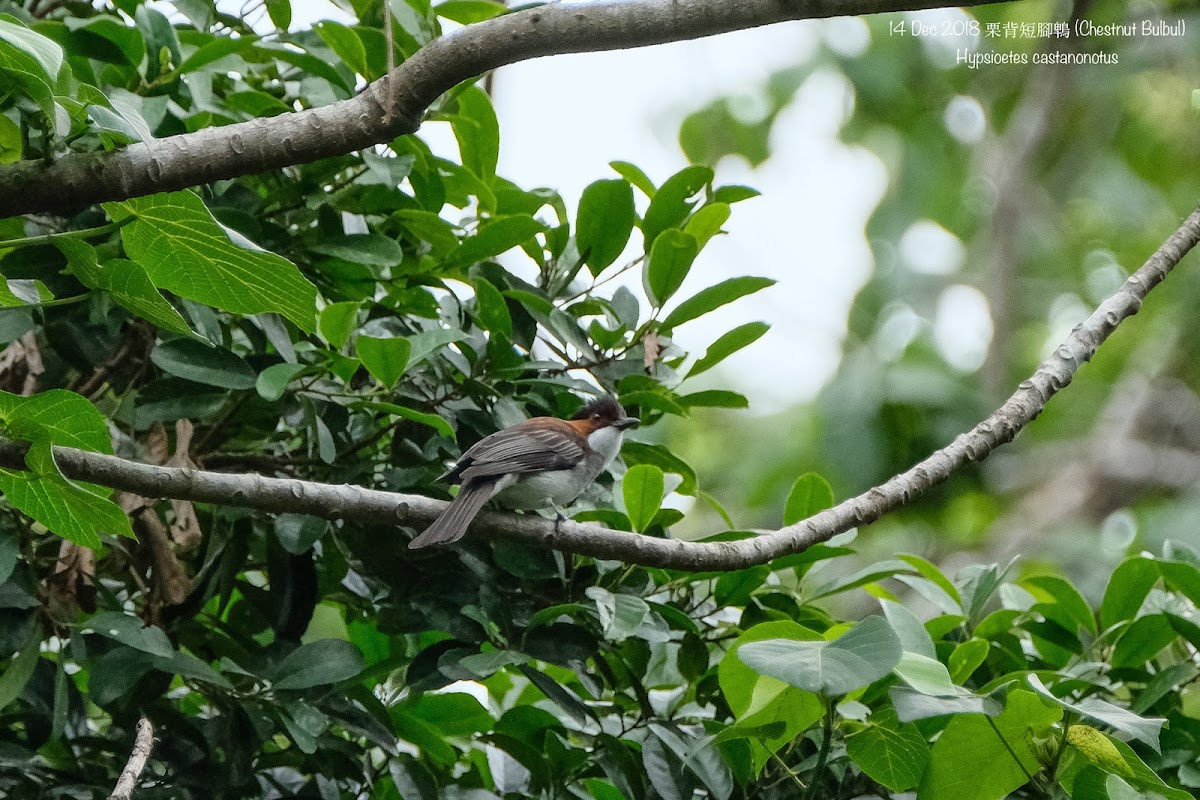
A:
(142, 744)
(74, 181)
(383, 508)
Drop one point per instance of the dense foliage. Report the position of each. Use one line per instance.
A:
(364, 320)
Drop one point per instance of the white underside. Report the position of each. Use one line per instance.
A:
(558, 488)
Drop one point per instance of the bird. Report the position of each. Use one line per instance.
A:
(543, 462)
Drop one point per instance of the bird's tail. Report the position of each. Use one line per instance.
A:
(453, 522)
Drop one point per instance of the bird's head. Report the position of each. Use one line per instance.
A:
(603, 412)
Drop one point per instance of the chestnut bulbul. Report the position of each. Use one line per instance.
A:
(544, 462)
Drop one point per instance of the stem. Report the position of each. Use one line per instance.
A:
(1008, 747)
(823, 753)
(48, 238)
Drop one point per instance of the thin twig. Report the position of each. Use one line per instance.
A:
(143, 743)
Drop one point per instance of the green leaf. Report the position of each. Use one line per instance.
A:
(734, 193)
(857, 658)
(810, 494)
(162, 43)
(201, 363)
(975, 759)
(492, 308)
(621, 615)
(670, 204)
(670, 260)
(127, 283)
(966, 658)
(1069, 608)
(215, 50)
(280, 12)
(468, 12)
(32, 62)
(912, 705)
(498, 236)
(347, 45)
(1145, 729)
(892, 753)
(20, 669)
(107, 37)
(759, 700)
(11, 146)
(183, 250)
(604, 223)
(728, 344)
(926, 675)
(478, 133)
(1131, 581)
(712, 298)
(707, 221)
(1143, 640)
(714, 398)
(319, 663)
(58, 417)
(635, 453)
(385, 359)
(298, 532)
(131, 632)
(372, 249)
(273, 381)
(432, 420)
(642, 488)
(337, 321)
(10, 552)
(635, 176)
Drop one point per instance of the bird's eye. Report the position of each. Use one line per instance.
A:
(595, 417)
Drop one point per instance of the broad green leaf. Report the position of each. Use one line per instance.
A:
(966, 658)
(706, 222)
(497, 236)
(1142, 640)
(46, 52)
(712, 298)
(1069, 608)
(372, 249)
(604, 223)
(642, 490)
(857, 658)
(735, 588)
(670, 261)
(319, 663)
(912, 705)
(31, 62)
(57, 416)
(432, 420)
(728, 344)
(273, 381)
(215, 50)
(385, 359)
(891, 752)
(932, 573)
(734, 193)
(11, 146)
(1145, 729)
(131, 632)
(455, 714)
(913, 636)
(563, 697)
(761, 701)
(970, 760)
(162, 42)
(1127, 588)
(128, 284)
(926, 675)
(298, 532)
(635, 176)
(347, 45)
(183, 250)
(478, 133)
(1096, 748)
(714, 398)
(810, 494)
(670, 205)
(20, 669)
(468, 12)
(280, 12)
(621, 615)
(337, 321)
(492, 308)
(108, 32)
(635, 453)
(1143, 778)
(188, 666)
(201, 363)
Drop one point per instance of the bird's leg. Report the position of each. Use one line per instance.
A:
(559, 515)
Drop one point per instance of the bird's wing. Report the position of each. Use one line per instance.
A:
(523, 448)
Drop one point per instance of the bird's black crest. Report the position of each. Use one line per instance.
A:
(605, 406)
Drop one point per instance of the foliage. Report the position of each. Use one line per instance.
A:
(365, 319)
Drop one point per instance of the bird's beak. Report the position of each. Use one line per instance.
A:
(628, 422)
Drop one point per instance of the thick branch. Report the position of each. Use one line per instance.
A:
(375, 507)
(74, 181)
(142, 744)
